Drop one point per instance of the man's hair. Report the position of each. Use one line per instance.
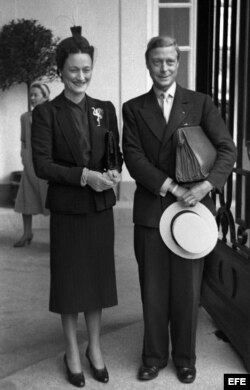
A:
(162, 41)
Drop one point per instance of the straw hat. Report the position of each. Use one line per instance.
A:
(189, 232)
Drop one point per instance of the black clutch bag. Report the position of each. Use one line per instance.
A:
(111, 158)
(195, 154)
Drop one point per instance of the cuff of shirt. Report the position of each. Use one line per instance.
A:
(210, 185)
(165, 186)
(84, 177)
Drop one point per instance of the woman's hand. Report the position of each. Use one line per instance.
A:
(98, 182)
(112, 175)
(196, 193)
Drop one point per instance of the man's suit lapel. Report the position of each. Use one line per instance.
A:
(69, 130)
(179, 112)
(152, 115)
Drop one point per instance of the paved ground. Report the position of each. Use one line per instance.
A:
(31, 343)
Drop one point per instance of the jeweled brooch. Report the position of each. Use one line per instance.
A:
(98, 112)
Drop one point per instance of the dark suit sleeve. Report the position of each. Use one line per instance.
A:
(42, 150)
(218, 133)
(138, 164)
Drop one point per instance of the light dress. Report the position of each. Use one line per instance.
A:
(32, 191)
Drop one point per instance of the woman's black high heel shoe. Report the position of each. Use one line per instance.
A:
(77, 380)
(23, 242)
(101, 375)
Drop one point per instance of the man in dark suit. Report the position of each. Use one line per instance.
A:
(170, 285)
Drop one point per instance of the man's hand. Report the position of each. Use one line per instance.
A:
(177, 190)
(196, 193)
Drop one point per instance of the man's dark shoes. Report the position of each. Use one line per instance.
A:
(186, 375)
(99, 374)
(147, 373)
(78, 379)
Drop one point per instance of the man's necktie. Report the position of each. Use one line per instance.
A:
(166, 105)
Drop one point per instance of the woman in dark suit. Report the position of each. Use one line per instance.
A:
(69, 150)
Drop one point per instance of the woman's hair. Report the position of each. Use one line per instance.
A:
(75, 44)
(43, 88)
(162, 41)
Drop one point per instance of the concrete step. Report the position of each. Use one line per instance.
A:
(122, 350)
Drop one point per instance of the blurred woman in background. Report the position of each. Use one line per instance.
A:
(32, 191)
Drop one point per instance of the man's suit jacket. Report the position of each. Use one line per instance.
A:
(58, 158)
(149, 147)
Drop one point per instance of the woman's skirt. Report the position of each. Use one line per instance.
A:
(82, 262)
